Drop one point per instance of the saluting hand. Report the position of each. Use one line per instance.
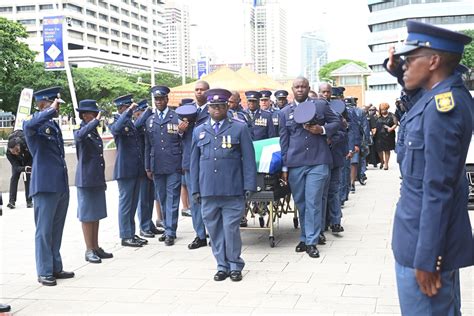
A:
(429, 282)
(183, 127)
(99, 116)
(132, 106)
(55, 104)
(393, 61)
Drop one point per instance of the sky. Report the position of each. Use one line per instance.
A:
(218, 26)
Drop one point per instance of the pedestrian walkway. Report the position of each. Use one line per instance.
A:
(353, 276)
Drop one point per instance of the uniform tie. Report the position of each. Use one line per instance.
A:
(252, 115)
(216, 127)
(161, 116)
(198, 110)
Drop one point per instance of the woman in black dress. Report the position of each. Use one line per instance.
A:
(385, 134)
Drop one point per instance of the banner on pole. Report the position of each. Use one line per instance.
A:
(24, 108)
(53, 43)
(202, 69)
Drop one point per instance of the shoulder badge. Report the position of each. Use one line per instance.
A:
(202, 135)
(444, 102)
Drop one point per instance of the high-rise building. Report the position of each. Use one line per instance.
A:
(177, 41)
(387, 24)
(314, 55)
(270, 29)
(122, 33)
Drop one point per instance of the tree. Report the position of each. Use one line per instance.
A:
(325, 71)
(468, 56)
(14, 54)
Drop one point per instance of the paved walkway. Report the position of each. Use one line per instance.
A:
(354, 275)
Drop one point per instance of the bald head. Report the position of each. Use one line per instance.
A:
(325, 89)
(300, 89)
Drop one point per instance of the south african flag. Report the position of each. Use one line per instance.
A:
(268, 155)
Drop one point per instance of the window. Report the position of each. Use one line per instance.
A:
(135, 48)
(91, 13)
(135, 38)
(6, 9)
(25, 8)
(452, 19)
(91, 1)
(76, 22)
(382, 87)
(143, 18)
(382, 47)
(351, 80)
(125, 35)
(126, 1)
(91, 38)
(125, 46)
(126, 12)
(46, 7)
(103, 4)
(72, 7)
(135, 15)
(135, 27)
(377, 68)
(144, 29)
(103, 29)
(114, 43)
(142, 7)
(91, 26)
(114, 20)
(125, 23)
(134, 4)
(75, 34)
(27, 22)
(144, 40)
(103, 41)
(115, 32)
(114, 8)
(103, 17)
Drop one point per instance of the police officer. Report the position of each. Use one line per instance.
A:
(90, 179)
(127, 169)
(265, 102)
(21, 161)
(163, 159)
(49, 185)
(262, 123)
(185, 196)
(201, 116)
(432, 236)
(223, 171)
(147, 188)
(306, 160)
(281, 98)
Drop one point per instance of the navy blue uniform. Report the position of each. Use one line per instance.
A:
(49, 189)
(222, 168)
(262, 124)
(127, 171)
(163, 157)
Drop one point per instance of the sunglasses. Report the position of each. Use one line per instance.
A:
(410, 58)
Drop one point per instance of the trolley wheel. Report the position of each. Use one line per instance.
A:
(272, 241)
(261, 220)
(295, 222)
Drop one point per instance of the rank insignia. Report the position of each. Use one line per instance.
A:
(202, 135)
(444, 102)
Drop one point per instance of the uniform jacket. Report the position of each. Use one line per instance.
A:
(218, 171)
(129, 160)
(45, 141)
(276, 121)
(187, 139)
(140, 124)
(339, 146)
(301, 148)
(262, 125)
(23, 159)
(163, 148)
(90, 156)
(431, 229)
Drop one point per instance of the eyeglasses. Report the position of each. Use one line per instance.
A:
(410, 58)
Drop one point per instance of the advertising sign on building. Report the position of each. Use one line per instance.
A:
(202, 68)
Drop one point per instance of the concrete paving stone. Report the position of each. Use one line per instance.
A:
(387, 309)
(6, 278)
(291, 276)
(17, 304)
(197, 273)
(256, 257)
(117, 282)
(248, 287)
(339, 304)
(60, 307)
(12, 291)
(55, 293)
(117, 295)
(376, 291)
(320, 290)
(290, 257)
(128, 308)
(312, 265)
(212, 310)
(353, 259)
(186, 297)
(285, 311)
(266, 266)
(169, 283)
(177, 264)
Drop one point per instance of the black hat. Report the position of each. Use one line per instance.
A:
(47, 94)
(88, 106)
(281, 94)
(252, 95)
(337, 106)
(187, 112)
(217, 96)
(160, 91)
(123, 100)
(266, 94)
(306, 113)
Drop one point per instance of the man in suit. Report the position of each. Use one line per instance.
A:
(128, 168)
(202, 115)
(306, 160)
(223, 172)
(163, 157)
(49, 185)
(262, 123)
(432, 236)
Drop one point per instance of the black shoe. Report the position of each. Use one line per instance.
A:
(301, 247)
(157, 230)
(147, 234)
(186, 212)
(235, 276)
(29, 204)
(11, 205)
(162, 237)
(4, 308)
(63, 275)
(220, 276)
(160, 224)
(198, 243)
(140, 240)
(131, 242)
(243, 222)
(322, 239)
(102, 254)
(47, 280)
(312, 251)
(169, 241)
(92, 257)
(362, 181)
(353, 188)
(337, 228)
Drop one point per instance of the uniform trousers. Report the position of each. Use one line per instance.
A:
(307, 185)
(222, 215)
(14, 186)
(413, 302)
(198, 223)
(50, 214)
(332, 208)
(168, 188)
(129, 190)
(146, 202)
(345, 180)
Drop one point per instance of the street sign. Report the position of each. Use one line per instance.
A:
(53, 43)
(24, 107)
(202, 68)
